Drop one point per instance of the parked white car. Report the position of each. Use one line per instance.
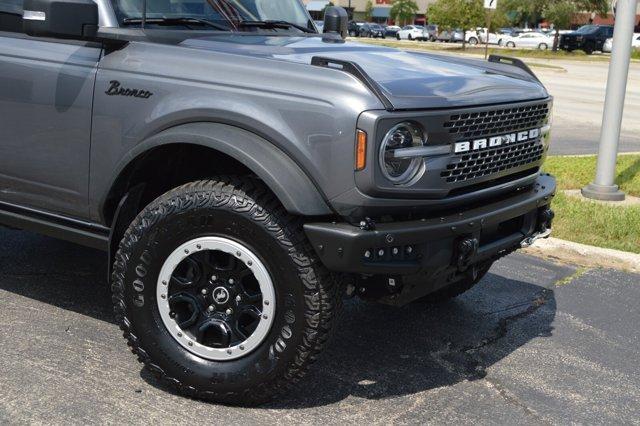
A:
(479, 35)
(411, 32)
(608, 44)
(529, 40)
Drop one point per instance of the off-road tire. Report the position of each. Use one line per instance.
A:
(307, 296)
(457, 289)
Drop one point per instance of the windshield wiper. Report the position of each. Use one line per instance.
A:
(275, 24)
(177, 21)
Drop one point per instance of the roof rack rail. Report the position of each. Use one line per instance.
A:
(357, 71)
(508, 60)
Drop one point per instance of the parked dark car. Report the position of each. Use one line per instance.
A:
(354, 28)
(372, 31)
(391, 31)
(589, 38)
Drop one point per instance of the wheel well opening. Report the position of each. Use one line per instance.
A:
(166, 167)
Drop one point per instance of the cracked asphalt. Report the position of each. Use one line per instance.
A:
(534, 342)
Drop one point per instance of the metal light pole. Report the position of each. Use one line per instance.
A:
(603, 187)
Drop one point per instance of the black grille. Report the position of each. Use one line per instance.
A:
(490, 161)
(498, 121)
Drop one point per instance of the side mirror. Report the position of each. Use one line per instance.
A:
(336, 20)
(74, 19)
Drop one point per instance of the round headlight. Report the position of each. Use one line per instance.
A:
(400, 169)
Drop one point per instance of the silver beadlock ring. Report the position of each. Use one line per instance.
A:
(252, 262)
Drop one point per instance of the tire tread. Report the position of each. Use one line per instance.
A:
(250, 198)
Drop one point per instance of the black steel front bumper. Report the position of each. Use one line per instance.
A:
(449, 242)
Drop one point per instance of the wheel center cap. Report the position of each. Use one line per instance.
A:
(220, 295)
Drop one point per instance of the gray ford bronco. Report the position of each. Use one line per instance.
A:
(245, 173)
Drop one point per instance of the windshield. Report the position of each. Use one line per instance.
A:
(224, 13)
(587, 29)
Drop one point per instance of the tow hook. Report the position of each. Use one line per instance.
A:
(528, 242)
(545, 218)
(467, 248)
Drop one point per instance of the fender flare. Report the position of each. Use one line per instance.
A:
(291, 185)
(281, 174)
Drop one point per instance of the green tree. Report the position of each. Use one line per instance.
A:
(404, 11)
(453, 14)
(560, 13)
(368, 11)
(530, 12)
(598, 6)
(521, 12)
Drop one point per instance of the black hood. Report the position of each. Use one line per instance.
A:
(410, 80)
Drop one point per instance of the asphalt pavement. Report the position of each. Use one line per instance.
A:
(579, 90)
(534, 342)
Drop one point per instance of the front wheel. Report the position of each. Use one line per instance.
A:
(511, 44)
(219, 293)
(543, 46)
(410, 37)
(398, 37)
(473, 41)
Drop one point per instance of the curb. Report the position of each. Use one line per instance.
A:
(585, 255)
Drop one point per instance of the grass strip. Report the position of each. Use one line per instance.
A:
(587, 222)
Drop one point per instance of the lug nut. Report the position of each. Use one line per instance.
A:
(214, 278)
(409, 250)
(229, 311)
(395, 250)
(204, 291)
(367, 254)
(231, 281)
(238, 298)
(211, 308)
(381, 252)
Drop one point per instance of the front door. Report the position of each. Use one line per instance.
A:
(46, 94)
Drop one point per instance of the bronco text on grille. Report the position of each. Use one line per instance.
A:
(494, 150)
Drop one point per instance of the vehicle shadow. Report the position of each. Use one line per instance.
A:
(377, 352)
(55, 272)
(381, 352)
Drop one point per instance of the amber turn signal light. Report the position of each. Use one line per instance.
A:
(361, 150)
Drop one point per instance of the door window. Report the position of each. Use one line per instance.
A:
(11, 16)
